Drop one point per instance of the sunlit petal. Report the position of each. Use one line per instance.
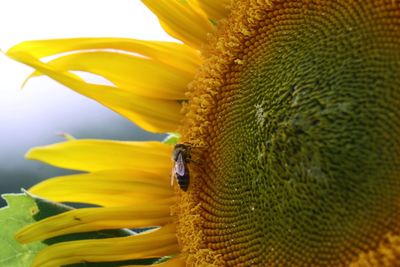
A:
(96, 155)
(151, 114)
(184, 57)
(155, 244)
(215, 9)
(141, 76)
(182, 20)
(108, 188)
(94, 219)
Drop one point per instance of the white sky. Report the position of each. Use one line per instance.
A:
(31, 116)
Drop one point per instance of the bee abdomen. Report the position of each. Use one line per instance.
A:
(183, 181)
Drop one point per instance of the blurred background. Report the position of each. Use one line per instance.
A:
(37, 114)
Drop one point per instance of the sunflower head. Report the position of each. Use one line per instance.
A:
(295, 105)
(289, 154)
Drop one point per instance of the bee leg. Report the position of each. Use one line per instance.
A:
(172, 177)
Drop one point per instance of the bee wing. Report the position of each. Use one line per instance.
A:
(178, 169)
(179, 166)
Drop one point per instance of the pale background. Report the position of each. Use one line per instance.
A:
(33, 116)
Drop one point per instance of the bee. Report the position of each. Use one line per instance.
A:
(181, 157)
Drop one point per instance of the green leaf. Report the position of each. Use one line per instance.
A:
(17, 214)
(24, 209)
(172, 138)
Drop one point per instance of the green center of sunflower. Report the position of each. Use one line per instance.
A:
(302, 158)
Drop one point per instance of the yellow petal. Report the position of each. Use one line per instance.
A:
(97, 155)
(215, 9)
(141, 76)
(182, 20)
(95, 219)
(178, 261)
(108, 188)
(151, 114)
(176, 55)
(155, 244)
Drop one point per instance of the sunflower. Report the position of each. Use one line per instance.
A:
(291, 113)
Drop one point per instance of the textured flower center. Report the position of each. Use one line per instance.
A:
(302, 143)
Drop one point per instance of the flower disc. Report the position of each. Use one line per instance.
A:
(299, 109)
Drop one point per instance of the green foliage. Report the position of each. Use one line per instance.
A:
(24, 209)
(17, 214)
(172, 138)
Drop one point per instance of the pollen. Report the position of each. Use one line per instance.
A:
(296, 113)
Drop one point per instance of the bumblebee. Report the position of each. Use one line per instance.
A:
(180, 171)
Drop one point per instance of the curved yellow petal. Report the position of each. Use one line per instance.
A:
(215, 10)
(151, 114)
(97, 155)
(178, 261)
(95, 219)
(155, 244)
(108, 188)
(142, 76)
(184, 58)
(182, 20)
